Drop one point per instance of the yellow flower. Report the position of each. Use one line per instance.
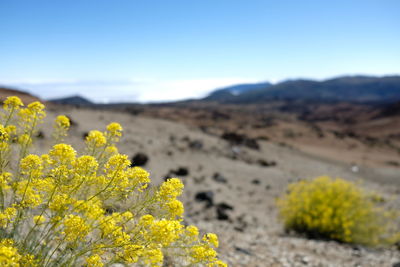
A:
(62, 153)
(153, 256)
(96, 138)
(131, 253)
(60, 203)
(111, 150)
(219, 263)
(9, 256)
(5, 178)
(75, 227)
(94, 261)
(203, 253)
(117, 162)
(115, 130)
(96, 208)
(92, 209)
(12, 102)
(31, 165)
(24, 139)
(335, 209)
(146, 220)
(36, 107)
(61, 127)
(211, 238)
(39, 219)
(165, 231)
(28, 195)
(32, 114)
(62, 121)
(171, 188)
(175, 208)
(7, 216)
(11, 130)
(86, 165)
(192, 232)
(28, 260)
(3, 134)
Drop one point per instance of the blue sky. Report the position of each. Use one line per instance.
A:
(113, 50)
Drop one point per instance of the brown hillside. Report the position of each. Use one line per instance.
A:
(25, 97)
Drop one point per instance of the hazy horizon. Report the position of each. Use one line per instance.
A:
(138, 51)
(45, 91)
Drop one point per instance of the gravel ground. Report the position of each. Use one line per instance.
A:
(241, 186)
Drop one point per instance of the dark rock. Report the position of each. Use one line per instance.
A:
(84, 135)
(242, 250)
(266, 163)
(393, 163)
(133, 111)
(397, 245)
(167, 177)
(317, 130)
(196, 144)
(140, 159)
(252, 143)
(222, 209)
(356, 252)
(217, 115)
(199, 180)
(40, 135)
(72, 122)
(219, 178)
(339, 135)
(110, 210)
(240, 139)
(397, 264)
(181, 171)
(255, 181)
(238, 229)
(267, 187)
(185, 139)
(205, 196)
(242, 224)
(263, 138)
(352, 134)
(204, 129)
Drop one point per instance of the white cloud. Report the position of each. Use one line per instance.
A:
(104, 91)
(183, 89)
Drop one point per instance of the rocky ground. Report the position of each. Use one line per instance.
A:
(231, 185)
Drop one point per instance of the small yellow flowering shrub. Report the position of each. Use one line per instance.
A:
(58, 209)
(336, 209)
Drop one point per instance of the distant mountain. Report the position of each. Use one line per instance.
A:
(232, 92)
(73, 100)
(360, 89)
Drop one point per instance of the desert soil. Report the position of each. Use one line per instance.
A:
(233, 177)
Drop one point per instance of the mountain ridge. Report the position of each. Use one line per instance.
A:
(344, 88)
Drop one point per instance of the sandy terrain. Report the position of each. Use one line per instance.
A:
(234, 176)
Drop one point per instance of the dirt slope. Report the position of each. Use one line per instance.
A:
(242, 183)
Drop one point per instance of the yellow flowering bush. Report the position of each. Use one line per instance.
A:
(337, 209)
(66, 209)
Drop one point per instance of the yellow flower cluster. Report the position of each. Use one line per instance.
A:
(61, 127)
(335, 209)
(65, 209)
(10, 257)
